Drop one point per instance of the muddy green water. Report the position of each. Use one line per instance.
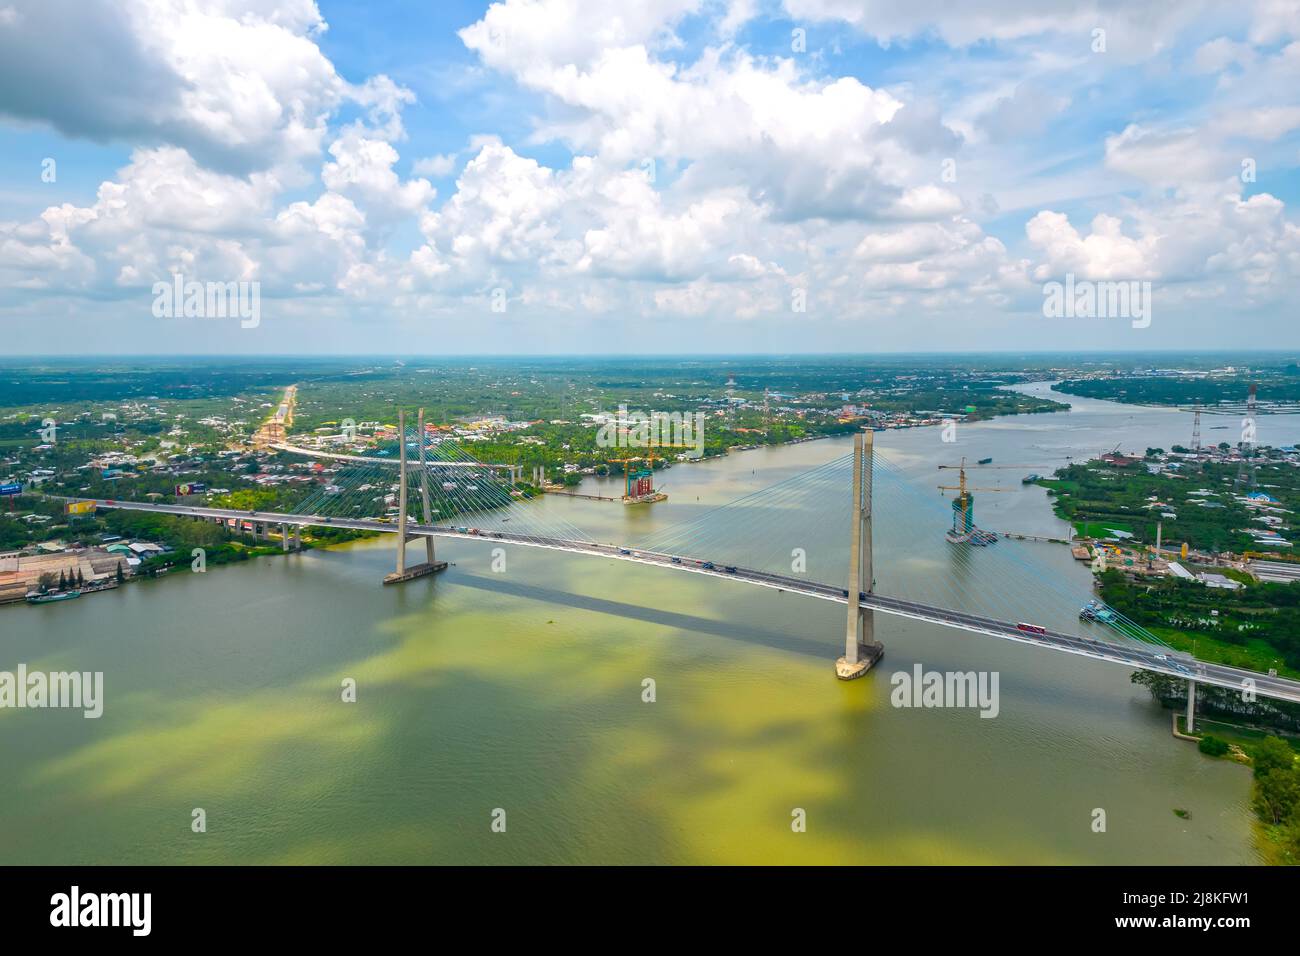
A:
(523, 691)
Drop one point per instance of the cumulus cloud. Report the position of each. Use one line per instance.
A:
(240, 84)
(668, 168)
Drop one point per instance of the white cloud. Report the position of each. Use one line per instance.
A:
(240, 84)
(438, 165)
(253, 158)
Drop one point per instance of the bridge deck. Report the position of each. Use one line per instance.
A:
(1152, 659)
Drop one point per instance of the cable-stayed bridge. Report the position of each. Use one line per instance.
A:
(791, 536)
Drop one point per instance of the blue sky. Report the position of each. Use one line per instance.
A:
(686, 175)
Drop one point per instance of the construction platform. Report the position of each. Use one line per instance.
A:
(415, 571)
(644, 499)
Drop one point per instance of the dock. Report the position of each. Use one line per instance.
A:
(577, 494)
(1016, 536)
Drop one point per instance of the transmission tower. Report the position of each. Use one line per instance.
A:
(1196, 434)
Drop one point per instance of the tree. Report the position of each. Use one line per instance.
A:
(1212, 746)
(1272, 753)
(1290, 841)
(1277, 796)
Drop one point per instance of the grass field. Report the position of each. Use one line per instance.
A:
(1100, 529)
(1254, 655)
(1243, 737)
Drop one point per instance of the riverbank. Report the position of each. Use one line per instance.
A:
(522, 689)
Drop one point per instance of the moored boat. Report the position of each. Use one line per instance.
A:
(36, 597)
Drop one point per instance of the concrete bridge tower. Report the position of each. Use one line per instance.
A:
(861, 649)
(403, 573)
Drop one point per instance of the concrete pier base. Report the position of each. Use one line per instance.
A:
(868, 656)
(415, 571)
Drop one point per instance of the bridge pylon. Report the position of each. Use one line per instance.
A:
(403, 573)
(861, 649)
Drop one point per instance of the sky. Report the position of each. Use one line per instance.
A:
(667, 177)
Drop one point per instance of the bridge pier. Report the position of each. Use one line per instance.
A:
(403, 573)
(284, 538)
(1191, 706)
(861, 649)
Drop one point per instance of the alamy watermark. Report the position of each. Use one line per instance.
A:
(208, 300)
(130, 910)
(922, 688)
(1088, 299)
(655, 430)
(63, 689)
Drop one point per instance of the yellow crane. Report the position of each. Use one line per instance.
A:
(962, 504)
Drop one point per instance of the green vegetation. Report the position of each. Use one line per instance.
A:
(181, 536)
(1213, 746)
(1210, 514)
(1221, 703)
(1278, 381)
(1256, 627)
(1253, 655)
(1236, 735)
(562, 389)
(128, 431)
(1276, 796)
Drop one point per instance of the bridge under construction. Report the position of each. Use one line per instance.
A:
(1119, 641)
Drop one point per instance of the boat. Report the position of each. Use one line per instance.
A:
(985, 461)
(1096, 611)
(1029, 479)
(36, 597)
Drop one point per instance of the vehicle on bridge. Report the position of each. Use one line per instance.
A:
(1031, 628)
(729, 569)
(677, 560)
(708, 566)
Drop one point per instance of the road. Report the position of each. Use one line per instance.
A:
(411, 464)
(1155, 659)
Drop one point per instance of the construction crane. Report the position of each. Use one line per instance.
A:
(963, 511)
(638, 484)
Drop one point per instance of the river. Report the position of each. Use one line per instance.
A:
(522, 691)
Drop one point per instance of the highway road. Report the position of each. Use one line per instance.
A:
(412, 464)
(1152, 658)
